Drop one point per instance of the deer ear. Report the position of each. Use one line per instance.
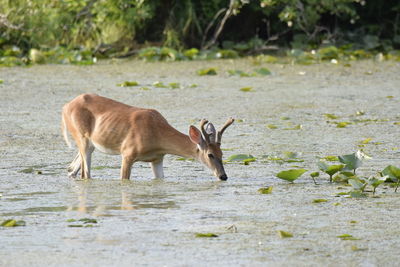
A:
(195, 135)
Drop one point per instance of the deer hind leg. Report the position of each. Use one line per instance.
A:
(157, 168)
(85, 153)
(75, 166)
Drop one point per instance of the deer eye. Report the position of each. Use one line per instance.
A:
(211, 156)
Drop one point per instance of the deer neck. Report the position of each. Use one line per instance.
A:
(180, 144)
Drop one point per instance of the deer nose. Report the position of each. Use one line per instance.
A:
(223, 177)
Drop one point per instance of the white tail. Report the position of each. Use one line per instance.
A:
(65, 132)
(137, 134)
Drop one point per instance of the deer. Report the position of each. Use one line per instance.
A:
(137, 134)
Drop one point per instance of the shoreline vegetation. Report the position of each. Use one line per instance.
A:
(304, 31)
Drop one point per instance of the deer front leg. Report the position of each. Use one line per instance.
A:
(127, 162)
(157, 168)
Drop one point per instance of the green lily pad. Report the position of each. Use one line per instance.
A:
(352, 161)
(357, 184)
(265, 190)
(128, 84)
(319, 200)
(342, 124)
(88, 220)
(159, 85)
(331, 116)
(284, 234)
(291, 175)
(207, 71)
(263, 71)
(272, 126)
(241, 157)
(347, 237)
(246, 89)
(174, 85)
(330, 169)
(1, 81)
(392, 172)
(206, 235)
(12, 223)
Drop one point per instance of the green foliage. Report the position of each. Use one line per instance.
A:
(12, 223)
(291, 175)
(265, 190)
(330, 169)
(244, 158)
(351, 161)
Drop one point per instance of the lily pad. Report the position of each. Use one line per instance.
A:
(159, 85)
(1, 81)
(241, 157)
(263, 71)
(272, 126)
(352, 161)
(319, 200)
(174, 85)
(12, 223)
(207, 71)
(392, 172)
(206, 235)
(88, 220)
(128, 84)
(330, 169)
(331, 116)
(246, 89)
(291, 175)
(265, 190)
(347, 237)
(284, 234)
(342, 124)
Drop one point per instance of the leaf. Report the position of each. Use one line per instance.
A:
(88, 220)
(241, 157)
(207, 235)
(128, 84)
(352, 161)
(284, 234)
(331, 116)
(12, 223)
(357, 184)
(207, 71)
(393, 173)
(272, 127)
(159, 85)
(174, 85)
(347, 237)
(291, 175)
(366, 141)
(342, 124)
(263, 71)
(357, 194)
(330, 169)
(1, 81)
(331, 158)
(320, 200)
(314, 174)
(265, 190)
(246, 89)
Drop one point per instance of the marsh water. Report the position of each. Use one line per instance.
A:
(148, 221)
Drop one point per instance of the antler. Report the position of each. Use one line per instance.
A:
(203, 122)
(226, 125)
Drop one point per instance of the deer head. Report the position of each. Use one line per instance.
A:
(208, 142)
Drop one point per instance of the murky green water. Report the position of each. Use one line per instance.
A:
(149, 221)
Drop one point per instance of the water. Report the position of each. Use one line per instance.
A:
(148, 221)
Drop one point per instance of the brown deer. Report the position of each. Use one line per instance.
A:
(138, 134)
